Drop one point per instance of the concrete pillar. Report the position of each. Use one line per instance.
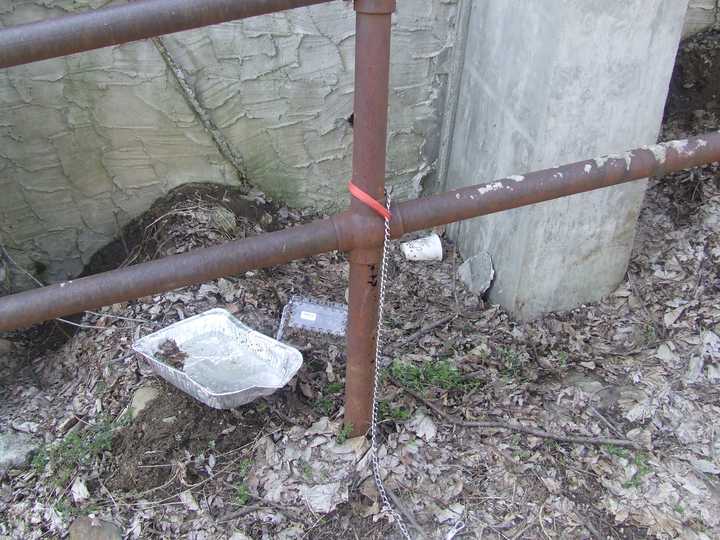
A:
(544, 83)
(701, 15)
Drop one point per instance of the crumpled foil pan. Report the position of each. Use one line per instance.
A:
(225, 363)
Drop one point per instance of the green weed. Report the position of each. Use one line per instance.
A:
(388, 412)
(344, 433)
(522, 455)
(40, 459)
(325, 405)
(435, 373)
(512, 362)
(642, 464)
(616, 451)
(77, 449)
(64, 507)
(241, 492)
(563, 359)
(334, 388)
(306, 469)
(650, 333)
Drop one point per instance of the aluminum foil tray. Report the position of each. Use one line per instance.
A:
(222, 362)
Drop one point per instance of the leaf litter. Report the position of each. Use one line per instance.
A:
(642, 364)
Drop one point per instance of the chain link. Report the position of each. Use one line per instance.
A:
(374, 457)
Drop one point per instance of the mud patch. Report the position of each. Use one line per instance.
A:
(166, 445)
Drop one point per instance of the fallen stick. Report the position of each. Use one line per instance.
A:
(512, 426)
(423, 331)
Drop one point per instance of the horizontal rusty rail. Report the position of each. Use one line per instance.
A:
(349, 231)
(99, 28)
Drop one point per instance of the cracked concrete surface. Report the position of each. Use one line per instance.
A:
(91, 140)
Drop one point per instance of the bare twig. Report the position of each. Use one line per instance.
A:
(420, 333)
(118, 317)
(513, 426)
(237, 514)
(530, 523)
(607, 422)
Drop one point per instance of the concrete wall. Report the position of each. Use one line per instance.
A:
(89, 141)
(527, 102)
(701, 15)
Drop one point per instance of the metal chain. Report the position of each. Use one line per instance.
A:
(374, 458)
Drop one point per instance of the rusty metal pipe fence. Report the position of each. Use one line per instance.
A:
(124, 23)
(349, 231)
(357, 231)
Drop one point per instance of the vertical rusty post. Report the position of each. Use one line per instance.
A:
(372, 73)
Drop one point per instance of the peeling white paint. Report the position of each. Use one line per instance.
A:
(681, 147)
(628, 160)
(659, 152)
(516, 178)
(487, 188)
(601, 161)
(588, 168)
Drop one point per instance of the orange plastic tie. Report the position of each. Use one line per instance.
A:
(367, 200)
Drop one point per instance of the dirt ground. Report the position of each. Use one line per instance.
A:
(642, 367)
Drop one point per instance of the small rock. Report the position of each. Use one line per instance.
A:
(477, 273)
(186, 497)
(587, 382)
(451, 514)
(694, 370)
(141, 399)
(15, 449)
(26, 427)
(79, 491)
(324, 498)
(423, 426)
(87, 528)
